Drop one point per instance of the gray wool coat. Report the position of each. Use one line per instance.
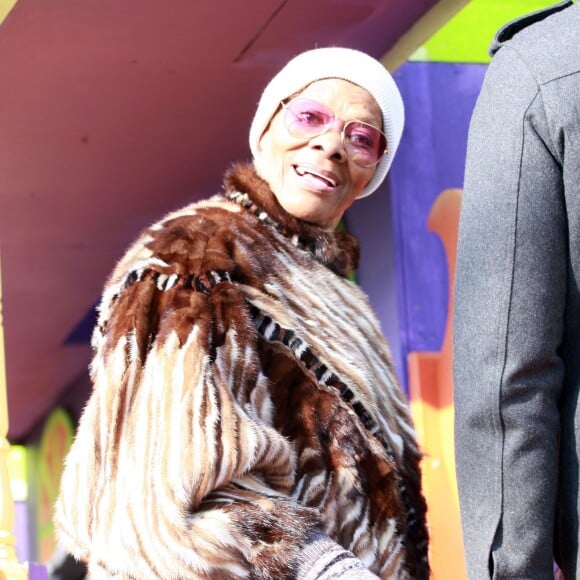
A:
(517, 306)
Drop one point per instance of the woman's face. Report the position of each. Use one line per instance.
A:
(313, 179)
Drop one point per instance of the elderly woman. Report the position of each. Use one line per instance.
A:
(245, 420)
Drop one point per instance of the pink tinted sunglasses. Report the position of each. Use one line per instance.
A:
(305, 119)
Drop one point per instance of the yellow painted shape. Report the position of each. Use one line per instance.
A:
(5, 8)
(3, 399)
(9, 566)
(17, 459)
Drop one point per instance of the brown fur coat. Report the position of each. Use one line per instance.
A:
(243, 398)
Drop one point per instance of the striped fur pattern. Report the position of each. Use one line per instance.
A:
(243, 400)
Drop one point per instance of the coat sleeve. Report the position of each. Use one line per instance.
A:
(175, 470)
(509, 315)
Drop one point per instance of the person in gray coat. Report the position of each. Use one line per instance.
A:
(517, 306)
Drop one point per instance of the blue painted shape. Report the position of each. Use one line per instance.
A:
(82, 332)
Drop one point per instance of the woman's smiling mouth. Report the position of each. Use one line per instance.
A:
(326, 177)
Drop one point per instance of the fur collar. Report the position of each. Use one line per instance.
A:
(339, 251)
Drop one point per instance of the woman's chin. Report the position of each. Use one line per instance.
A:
(311, 212)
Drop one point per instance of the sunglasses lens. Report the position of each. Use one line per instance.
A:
(365, 143)
(305, 118)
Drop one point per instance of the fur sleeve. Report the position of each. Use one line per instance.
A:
(175, 470)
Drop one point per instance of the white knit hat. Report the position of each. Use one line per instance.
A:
(342, 63)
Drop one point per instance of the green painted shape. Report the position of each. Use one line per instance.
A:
(466, 37)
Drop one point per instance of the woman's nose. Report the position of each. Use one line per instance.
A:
(330, 143)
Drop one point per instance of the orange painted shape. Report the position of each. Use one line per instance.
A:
(431, 395)
(443, 221)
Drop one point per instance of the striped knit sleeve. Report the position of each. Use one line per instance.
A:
(323, 559)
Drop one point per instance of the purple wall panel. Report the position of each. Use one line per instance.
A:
(439, 99)
(403, 266)
(22, 531)
(370, 220)
(37, 571)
